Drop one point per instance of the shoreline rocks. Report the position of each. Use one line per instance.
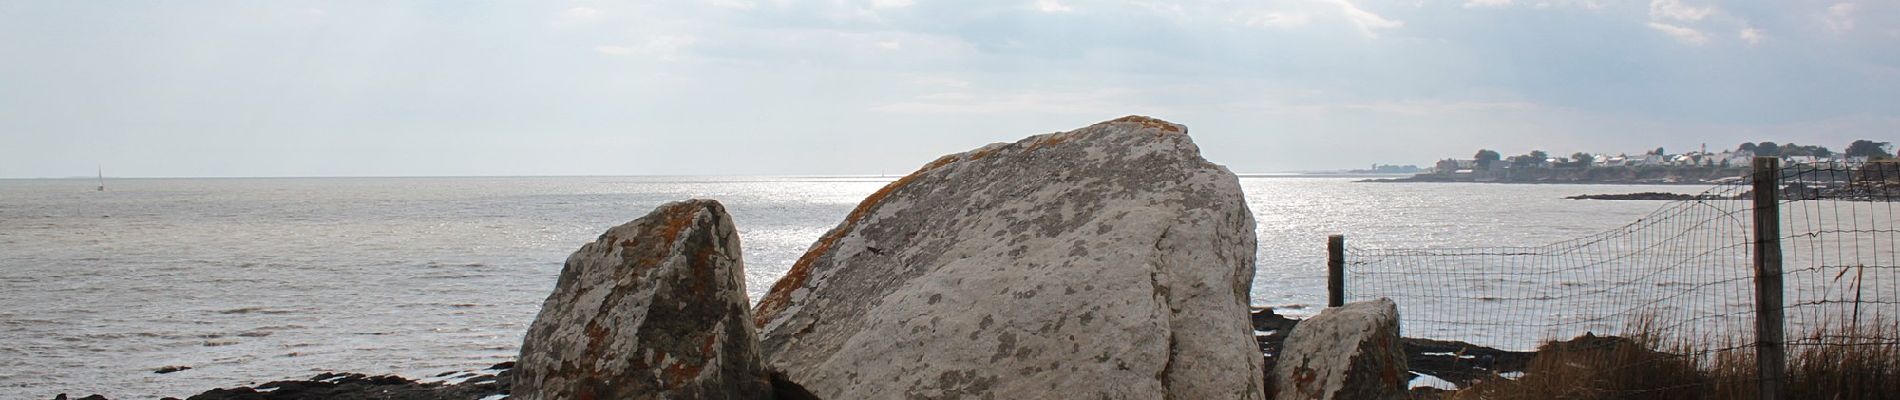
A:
(1458, 363)
(489, 383)
(1347, 352)
(654, 307)
(1110, 261)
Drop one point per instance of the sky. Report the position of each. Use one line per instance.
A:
(210, 88)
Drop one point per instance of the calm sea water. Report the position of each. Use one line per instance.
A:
(252, 280)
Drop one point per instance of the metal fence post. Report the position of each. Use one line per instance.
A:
(1770, 357)
(1335, 270)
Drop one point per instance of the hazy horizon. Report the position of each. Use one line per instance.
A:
(318, 88)
(108, 177)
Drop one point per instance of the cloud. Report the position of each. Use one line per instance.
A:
(616, 50)
(941, 82)
(1487, 3)
(1840, 17)
(1103, 101)
(1366, 21)
(1675, 10)
(1276, 19)
(1052, 6)
(577, 16)
(1682, 34)
(663, 48)
(884, 4)
(1405, 107)
(1752, 36)
(581, 13)
(741, 5)
(1591, 5)
(1436, 107)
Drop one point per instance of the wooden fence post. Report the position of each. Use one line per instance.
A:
(1335, 270)
(1770, 357)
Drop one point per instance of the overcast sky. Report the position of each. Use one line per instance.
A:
(374, 88)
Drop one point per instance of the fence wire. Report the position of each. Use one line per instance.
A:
(1684, 274)
(1841, 270)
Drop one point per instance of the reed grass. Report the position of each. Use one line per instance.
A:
(1838, 362)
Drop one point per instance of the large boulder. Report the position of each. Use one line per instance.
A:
(1108, 262)
(655, 308)
(1349, 352)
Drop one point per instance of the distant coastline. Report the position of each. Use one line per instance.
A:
(1320, 174)
(1626, 175)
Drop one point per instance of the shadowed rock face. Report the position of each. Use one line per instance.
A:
(1347, 352)
(1107, 262)
(655, 308)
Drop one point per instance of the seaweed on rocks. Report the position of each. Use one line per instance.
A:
(341, 386)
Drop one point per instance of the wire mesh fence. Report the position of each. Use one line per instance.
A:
(1681, 281)
(1841, 267)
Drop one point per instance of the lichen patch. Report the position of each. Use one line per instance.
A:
(1146, 121)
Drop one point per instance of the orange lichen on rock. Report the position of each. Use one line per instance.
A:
(1151, 123)
(677, 219)
(981, 154)
(780, 296)
(683, 371)
(596, 346)
(1051, 140)
(702, 280)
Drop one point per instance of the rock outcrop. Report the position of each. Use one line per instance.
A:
(1110, 262)
(655, 308)
(1347, 352)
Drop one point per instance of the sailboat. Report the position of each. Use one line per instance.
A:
(102, 178)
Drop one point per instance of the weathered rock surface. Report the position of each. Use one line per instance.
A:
(1347, 352)
(655, 308)
(1107, 262)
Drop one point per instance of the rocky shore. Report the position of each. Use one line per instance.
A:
(1110, 261)
(491, 383)
(1459, 363)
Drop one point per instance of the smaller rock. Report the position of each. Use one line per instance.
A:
(335, 386)
(170, 369)
(654, 308)
(1270, 330)
(1347, 352)
(1266, 319)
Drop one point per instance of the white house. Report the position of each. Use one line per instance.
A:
(1740, 158)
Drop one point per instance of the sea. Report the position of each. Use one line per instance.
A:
(247, 281)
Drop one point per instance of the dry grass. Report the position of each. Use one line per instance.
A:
(1857, 363)
(1847, 362)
